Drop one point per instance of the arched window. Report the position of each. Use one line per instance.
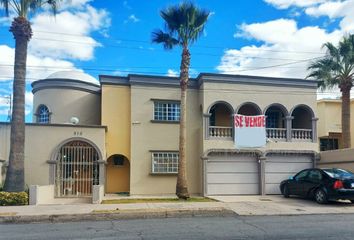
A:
(43, 114)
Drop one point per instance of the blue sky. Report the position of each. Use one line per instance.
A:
(256, 37)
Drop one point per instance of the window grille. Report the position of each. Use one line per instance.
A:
(166, 111)
(165, 162)
(43, 114)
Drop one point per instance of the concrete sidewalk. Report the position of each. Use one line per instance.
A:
(227, 206)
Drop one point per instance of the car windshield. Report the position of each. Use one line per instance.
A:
(338, 173)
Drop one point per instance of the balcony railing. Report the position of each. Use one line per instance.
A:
(301, 134)
(220, 132)
(273, 133)
(276, 133)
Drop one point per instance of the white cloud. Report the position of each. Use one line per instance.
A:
(69, 42)
(132, 18)
(334, 10)
(282, 43)
(172, 73)
(37, 67)
(283, 4)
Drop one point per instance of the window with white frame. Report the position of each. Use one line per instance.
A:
(166, 111)
(43, 114)
(165, 162)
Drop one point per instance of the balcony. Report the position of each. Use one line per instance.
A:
(303, 135)
(220, 132)
(298, 125)
(276, 133)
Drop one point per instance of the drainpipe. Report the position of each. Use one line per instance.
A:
(261, 174)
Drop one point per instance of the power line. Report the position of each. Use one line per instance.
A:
(129, 71)
(143, 41)
(196, 46)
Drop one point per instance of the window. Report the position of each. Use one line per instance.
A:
(272, 120)
(165, 162)
(328, 144)
(166, 111)
(43, 114)
(301, 175)
(315, 176)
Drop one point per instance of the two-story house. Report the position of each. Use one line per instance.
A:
(122, 133)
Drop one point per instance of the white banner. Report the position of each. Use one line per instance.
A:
(250, 131)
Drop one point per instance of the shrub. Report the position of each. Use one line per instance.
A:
(13, 198)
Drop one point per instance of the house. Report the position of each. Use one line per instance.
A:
(122, 134)
(329, 124)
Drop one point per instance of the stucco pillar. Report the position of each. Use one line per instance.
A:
(261, 174)
(102, 172)
(314, 129)
(206, 124)
(52, 164)
(288, 122)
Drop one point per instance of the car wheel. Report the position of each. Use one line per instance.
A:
(321, 196)
(286, 191)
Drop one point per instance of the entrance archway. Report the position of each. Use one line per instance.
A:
(76, 169)
(118, 174)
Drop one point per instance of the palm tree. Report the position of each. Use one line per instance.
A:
(337, 69)
(184, 24)
(22, 32)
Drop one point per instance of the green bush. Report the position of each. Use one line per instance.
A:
(13, 198)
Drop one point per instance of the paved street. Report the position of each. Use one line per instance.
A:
(240, 227)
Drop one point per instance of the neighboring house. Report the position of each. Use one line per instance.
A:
(329, 124)
(122, 133)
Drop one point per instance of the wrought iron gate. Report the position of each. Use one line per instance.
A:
(77, 170)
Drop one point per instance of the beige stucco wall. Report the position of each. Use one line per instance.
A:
(116, 116)
(342, 158)
(147, 136)
(41, 143)
(329, 113)
(263, 96)
(67, 103)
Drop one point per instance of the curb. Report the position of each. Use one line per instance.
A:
(119, 215)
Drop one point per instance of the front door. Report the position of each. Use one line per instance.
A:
(77, 170)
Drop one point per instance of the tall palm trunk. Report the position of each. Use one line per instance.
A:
(346, 116)
(14, 182)
(181, 186)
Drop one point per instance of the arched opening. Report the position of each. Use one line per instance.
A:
(220, 120)
(302, 122)
(249, 109)
(276, 122)
(118, 174)
(76, 169)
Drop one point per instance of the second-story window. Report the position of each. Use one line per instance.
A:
(166, 111)
(43, 114)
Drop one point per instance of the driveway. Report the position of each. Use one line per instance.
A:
(278, 205)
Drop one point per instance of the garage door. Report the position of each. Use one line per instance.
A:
(237, 174)
(279, 168)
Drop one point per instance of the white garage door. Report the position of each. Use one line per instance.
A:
(279, 168)
(232, 175)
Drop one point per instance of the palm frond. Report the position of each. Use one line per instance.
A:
(168, 41)
(5, 4)
(185, 21)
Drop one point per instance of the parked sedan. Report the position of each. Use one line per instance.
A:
(323, 185)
